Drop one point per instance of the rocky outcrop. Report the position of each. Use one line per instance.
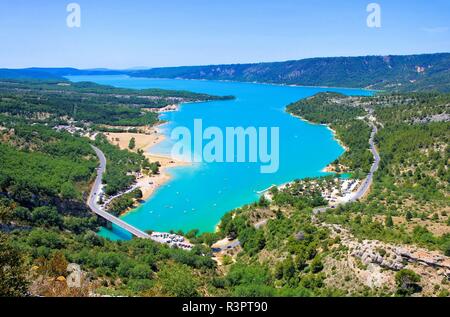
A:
(389, 256)
(444, 117)
(377, 253)
(76, 278)
(427, 258)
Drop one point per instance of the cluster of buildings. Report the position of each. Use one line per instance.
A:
(173, 240)
(335, 190)
(69, 128)
(74, 129)
(169, 108)
(341, 191)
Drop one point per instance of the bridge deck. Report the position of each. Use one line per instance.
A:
(93, 201)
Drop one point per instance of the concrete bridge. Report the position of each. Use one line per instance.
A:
(96, 208)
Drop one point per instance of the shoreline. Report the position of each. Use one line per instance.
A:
(328, 168)
(258, 82)
(148, 184)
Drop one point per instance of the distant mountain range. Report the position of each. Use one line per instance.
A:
(405, 73)
(52, 73)
(423, 72)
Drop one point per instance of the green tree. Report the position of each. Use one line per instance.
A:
(447, 249)
(46, 216)
(13, 282)
(6, 209)
(316, 265)
(408, 216)
(68, 191)
(141, 271)
(227, 260)
(263, 202)
(389, 221)
(406, 281)
(58, 264)
(132, 144)
(300, 260)
(250, 290)
(288, 268)
(22, 213)
(178, 280)
(137, 193)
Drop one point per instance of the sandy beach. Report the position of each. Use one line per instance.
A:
(152, 137)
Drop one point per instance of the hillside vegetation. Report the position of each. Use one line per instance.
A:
(412, 185)
(346, 120)
(394, 73)
(282, 247)
(60, 102)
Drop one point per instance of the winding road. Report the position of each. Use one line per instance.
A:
(365, 186)
(362, 190)
(97, 209)
(96, 190)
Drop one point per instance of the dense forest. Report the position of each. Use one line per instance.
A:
(58, 102)
(44, 179)
(411, 189)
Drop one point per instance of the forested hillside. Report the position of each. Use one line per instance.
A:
(394, 73)
(411, 189)
(45, 178)
(59, 102)
(346, 120)
(395, 242)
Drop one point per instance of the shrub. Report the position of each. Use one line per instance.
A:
(406, 281)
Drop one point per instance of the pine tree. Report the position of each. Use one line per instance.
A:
(132, 144)
(408, 215)
(389, 221)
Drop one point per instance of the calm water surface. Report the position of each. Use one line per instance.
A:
(199, 195)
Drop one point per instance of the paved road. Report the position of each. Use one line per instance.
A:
(228, 246)
(93, 197)
(365, 186)
(362, 190)
(96, 208)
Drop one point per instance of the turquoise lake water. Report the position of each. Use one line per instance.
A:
(198, 196)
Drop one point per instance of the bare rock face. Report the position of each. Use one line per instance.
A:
(374, 252)
(377, 255)
(75, 277)
(427, 258)
(444, 117)
(396, 258)
(299, 236)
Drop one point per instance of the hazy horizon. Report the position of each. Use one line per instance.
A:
(218, 64)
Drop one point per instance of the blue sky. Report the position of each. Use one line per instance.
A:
(123, 34)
